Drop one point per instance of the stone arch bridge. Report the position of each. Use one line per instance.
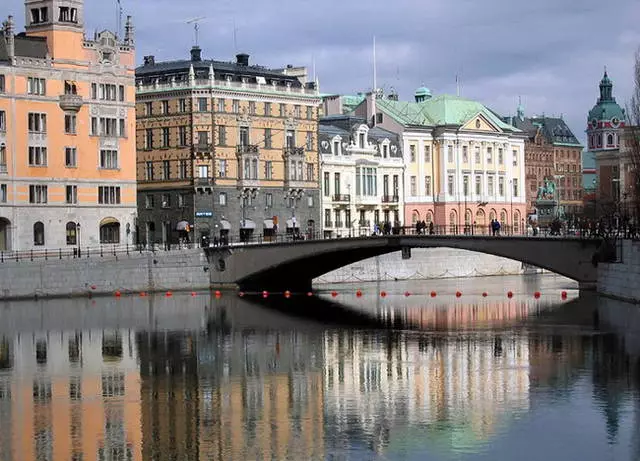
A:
(292, 266)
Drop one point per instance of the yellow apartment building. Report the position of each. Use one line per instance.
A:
(67, 131)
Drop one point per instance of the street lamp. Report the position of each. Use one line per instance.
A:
(511, 197)
(245, 195)
(348, 218)
(293, 196)
(595, 198)
(78, 237)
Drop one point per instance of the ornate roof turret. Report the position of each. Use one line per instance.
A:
(607, 112)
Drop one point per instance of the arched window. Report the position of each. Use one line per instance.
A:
(109, 231)
(599, 140)
(38, 233)
(609, 139)
(415, 216)
(72, 235)
(492, 215)
(453, 223)
(429, 217)
(516, 222)
(503, 217)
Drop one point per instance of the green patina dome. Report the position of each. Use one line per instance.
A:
(423, 91)
(606, 108)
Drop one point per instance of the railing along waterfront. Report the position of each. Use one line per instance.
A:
(125, 250)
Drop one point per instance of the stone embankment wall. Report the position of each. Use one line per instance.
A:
(622, 280)
(148, 272)
(430, 263)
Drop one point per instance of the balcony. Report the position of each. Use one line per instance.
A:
(328, 223)
(341, 198)
(367, 200)
(364, 223)
(203, 182)
(70, 102)
(390, 199)
(251, 183)
(3, 168)
(293, 151)
(243, 149)
(202, 148)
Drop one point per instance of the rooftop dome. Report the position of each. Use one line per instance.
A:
(422, 94)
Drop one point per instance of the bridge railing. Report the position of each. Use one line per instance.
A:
(117, 250)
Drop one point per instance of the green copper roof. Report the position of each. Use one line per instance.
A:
(423, 91)
(349, 102)
(440, 110)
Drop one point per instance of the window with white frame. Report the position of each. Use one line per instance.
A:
(37, 156)
(450, 153)
(268, 169)
(38, 193)
(489, 155)
(113, 385)
(3, 193)
(71, 195)
(36, 86)
(478, 185)
(37, 123)
(427, 185)
(3, 120)
(515, 157)
(515, 187)
(477, 155)
(450, 185)
(412, 153)
(109, 159)
(222, 198)
(427, 153)
(412, 186)
(490, 186)
(109, 195)
(501, 186)
(500, 156)
(465, 185)
(465, 154)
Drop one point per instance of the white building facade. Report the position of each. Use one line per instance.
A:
(362, 172)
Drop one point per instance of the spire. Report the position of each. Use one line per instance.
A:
(606, 88)
(129, 32)
(211, 75)
(192, 76)
(520, 111)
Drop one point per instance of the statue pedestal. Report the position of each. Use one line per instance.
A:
(547, 211)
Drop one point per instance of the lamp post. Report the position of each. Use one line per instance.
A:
(511, 197)
(465, 191)
(245, 195)
(348, 218)
(293, 196)
(78, 237)
(595, 198)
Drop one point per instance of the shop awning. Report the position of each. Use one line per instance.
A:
(292, 224)
(247, 224)
(268, 223)
(182, 225)
(109, 220)
(224, 224)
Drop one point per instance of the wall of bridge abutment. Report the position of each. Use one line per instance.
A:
(621, 280)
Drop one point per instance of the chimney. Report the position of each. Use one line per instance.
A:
(242, 59)
(196, 54)
(9, 34)
(129, 32)
(149, 60)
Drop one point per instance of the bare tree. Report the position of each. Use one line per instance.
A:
(632, 138)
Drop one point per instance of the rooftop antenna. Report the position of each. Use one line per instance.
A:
(313, 66)
(196, 26)
(375, 83)
(235, 36)
(118, 18)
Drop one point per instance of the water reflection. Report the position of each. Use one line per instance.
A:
(204, 379)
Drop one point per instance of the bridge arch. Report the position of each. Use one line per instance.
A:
(294, 266)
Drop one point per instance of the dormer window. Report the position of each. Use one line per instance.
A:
(336, 147)
(39, 15)
(361, 140)
(385, 150)
(68, 14)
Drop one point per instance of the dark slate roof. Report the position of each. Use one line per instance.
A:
(27, 47)
(554, 129)
(344, 126)
(163, 71)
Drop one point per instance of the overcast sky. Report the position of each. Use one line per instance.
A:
(550, 52)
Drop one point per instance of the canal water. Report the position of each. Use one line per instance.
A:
(391, 373)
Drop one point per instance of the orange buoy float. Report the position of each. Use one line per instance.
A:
(458, 294)
(142, 294)
(485, 294)
(334, 293)
(287, 294)
(193, 293)
(265, 294)
(433, 294)
(383, 294)
(309, 294)
(509, 294)
(358, 293)
(564, 295)
(407, 294)
(169, 294)
(536, 295)
(118, 294)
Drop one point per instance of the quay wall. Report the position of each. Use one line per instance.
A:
(149, 272)
(621, 280)
(425, 263)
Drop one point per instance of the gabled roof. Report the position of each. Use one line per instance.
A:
(440, 110)
(344, 126)
(26, 47)
(554, 129)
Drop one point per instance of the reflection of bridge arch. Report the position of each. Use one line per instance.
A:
(293, 266)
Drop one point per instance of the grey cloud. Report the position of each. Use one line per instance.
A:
(550, 52)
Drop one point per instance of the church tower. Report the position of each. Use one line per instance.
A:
(61, 22)
(605, 119)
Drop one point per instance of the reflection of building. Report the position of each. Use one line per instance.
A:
(67, 154)
(463, 163)
(261, 397)
(227, 145)
(72, 396)
(552, 152)
(362, 172)
(169, 396)
(466, 384)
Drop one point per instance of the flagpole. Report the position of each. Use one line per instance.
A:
(375, 83)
